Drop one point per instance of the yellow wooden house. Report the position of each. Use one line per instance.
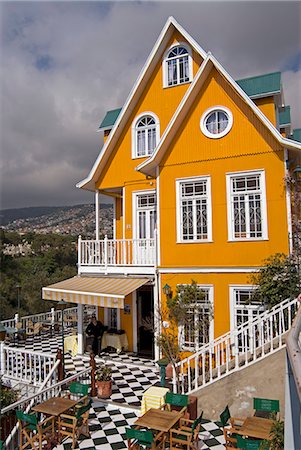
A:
(195, 163)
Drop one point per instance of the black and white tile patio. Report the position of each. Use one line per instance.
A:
(132, 375)
(107, 425)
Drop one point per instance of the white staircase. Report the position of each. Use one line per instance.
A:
(248, 343)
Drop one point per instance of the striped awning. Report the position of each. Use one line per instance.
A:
(98, 291)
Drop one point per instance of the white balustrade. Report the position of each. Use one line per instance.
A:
(26, 366)
(239, 348)
(117, 252)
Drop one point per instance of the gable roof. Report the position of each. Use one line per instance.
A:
(149, 165)
(109, 119)
(261, 85)
(255, 87)
(160, 45)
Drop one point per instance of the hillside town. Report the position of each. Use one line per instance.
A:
(79, 220)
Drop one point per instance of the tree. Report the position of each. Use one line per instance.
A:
(183, 311)
(277, 280)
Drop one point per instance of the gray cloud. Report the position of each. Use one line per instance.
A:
(65, 64)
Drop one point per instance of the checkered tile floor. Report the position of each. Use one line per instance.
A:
(131, 377)
(107, 425)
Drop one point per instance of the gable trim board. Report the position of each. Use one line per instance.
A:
(170, 26)
(147, 166)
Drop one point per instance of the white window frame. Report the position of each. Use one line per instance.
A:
(179, 183)
(223, 133)
(134, 133)
(135, 196)
(165, 65)
(210, 289)
(230, 212)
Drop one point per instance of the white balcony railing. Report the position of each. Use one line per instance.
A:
(116, 252)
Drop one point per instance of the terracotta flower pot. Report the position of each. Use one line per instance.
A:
(104, 389)
(169, 371)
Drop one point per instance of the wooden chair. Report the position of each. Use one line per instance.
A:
(266, 408)
(175, 401)
(144, 438)
(32, 432)
(229, 433)
(37, 328)
(187, 435)
(75, 423)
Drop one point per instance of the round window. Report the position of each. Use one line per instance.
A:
(216, 122)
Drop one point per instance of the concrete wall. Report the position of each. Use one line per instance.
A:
(262, 379)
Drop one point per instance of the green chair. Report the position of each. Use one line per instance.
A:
(74, 424)
(176, 401)
(229, 433)
(249, 444)
(266, 408)
(187, 434)
(33, 432)
(143, 438)
(79, 389)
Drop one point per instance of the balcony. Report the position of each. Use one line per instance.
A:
(136, 256)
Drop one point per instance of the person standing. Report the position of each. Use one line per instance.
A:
(95, 329)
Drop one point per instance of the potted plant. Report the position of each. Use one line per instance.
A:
(103, 378)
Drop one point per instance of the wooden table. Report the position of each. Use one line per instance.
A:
(255, 427)
(159, 420)
(54, 406)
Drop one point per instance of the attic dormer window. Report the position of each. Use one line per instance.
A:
(177, 67)
(146, 132)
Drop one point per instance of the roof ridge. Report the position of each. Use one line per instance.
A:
(259, 76)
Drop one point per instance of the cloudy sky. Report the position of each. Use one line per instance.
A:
(65, 63)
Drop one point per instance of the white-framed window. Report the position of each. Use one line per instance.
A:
(177, 65)
(145, 135)
(246, 202)
(198, 328)
(216, 122)
(242, 310)
(112, 318)
(194, 217)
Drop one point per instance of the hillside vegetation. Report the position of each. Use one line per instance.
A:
(53, 258)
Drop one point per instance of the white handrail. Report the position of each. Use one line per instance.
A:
(238, 348)
(43, 393)
(14, 405)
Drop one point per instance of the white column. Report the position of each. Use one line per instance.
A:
(134, 316)
(157, 324)
(80, 330)
(97, 214)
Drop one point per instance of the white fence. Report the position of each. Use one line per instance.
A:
(116, 252)
(45, 392)
(239, 348)
(26, 366)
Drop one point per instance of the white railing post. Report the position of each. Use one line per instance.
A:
(106, 252)
(16, 319)
(52, 317)
(2, 358)
(79, 248)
